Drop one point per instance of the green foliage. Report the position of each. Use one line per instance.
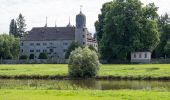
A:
(167, 49)
(71, 48)
(83, 63)
(164, 28)
(43, 56)
(23, 57)
(13, 28)
(21, 25)
(92, 48)
(31, 56)
(126, 26)
(9, 47)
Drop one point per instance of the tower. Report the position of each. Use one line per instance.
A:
(81, 30)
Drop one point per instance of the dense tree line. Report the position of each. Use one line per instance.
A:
(126, 26)
(9, 47)
(163, 49)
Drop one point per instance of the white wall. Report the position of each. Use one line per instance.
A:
(59, 48)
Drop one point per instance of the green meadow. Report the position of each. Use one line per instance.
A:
(83, 95)
(14, 90)
(135, 71)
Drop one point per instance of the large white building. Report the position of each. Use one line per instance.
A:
(55, 40)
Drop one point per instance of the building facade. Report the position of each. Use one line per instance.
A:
(55, 40)
(140, 57)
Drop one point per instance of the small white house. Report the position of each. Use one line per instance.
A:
(140, 57)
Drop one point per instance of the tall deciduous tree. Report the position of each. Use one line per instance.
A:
(21, 25)
(164, 29)
(9, 47)
(13, 28)
(126, 26)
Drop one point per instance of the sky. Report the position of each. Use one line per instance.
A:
(59, 11)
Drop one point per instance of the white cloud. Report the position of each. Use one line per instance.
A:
(35, 11)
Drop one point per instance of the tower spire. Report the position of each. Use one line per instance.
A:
(55, 24)
(69, 24)
(46, 22)
(69, 21)
(81, 6)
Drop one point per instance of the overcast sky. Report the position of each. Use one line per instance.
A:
(35, 11)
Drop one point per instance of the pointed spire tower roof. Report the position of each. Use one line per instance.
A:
(69, 24)
(46, 22)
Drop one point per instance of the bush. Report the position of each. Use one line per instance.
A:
(31, 56)
(43, 56)
(83, 63)
(22, 57)
(71, 48)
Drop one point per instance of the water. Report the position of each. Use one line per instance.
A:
(82, 84)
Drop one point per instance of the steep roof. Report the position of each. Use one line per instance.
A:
(50, 34)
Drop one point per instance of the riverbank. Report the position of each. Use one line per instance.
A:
(60, 71)
(83, 95)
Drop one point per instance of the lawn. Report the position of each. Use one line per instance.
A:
(83, 95)
(136, 71)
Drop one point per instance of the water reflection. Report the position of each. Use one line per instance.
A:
(84, 84)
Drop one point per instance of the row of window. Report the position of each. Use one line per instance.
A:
(44, 44)
(51, 50)
(140, 55)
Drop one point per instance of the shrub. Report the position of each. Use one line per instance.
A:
(83, 63)
(31, 56)
(71, 48)
(43, 56)
(92, 48)
(22, 57)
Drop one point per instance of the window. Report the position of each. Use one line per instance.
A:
(65, 43)
(83, 36)
(145, 55)
(83, 30)
(51, 50)
(134, 55)
(140, 56)
(44, 50)
(31, 50)
(31, 44)
(37, 50)
(22, 50)
(83, 42)
(44, 44)
(51, 43)
(64, 50)
(22, 44)
(38, 43)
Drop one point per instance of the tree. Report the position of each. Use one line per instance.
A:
(92, 48)
(9, 47)
(127, 26)
(167, 49)
(13, 28)
(164, 29)
(31, 56)
(71, 48)
(23, 57)
(43, 56)
(21, 25)
(83, 63)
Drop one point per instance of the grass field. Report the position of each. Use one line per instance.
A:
(136, 71)
(83, 95)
